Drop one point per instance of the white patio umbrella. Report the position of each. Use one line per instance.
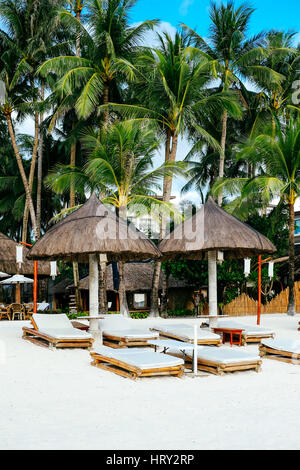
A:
(17, 279)
(3, 274)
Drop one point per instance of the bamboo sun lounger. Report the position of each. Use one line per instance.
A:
(119, 333)
(281, 350)
(211, 359)
(56, 331)
(185, 332)
(251, 333)
(136, 362)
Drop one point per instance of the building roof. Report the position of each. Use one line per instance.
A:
(138, 277)
(8, 262)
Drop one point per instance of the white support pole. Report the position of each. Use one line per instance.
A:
(195, 365)
(94, 301)
(212, 288)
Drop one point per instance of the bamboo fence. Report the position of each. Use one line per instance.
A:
(244, 305)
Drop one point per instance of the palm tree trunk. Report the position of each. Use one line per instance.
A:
(122, 288)
(222, 156)
(78, 17)
(72, 164)
(168, 180)
(40, 169)
(167, 188)
(291, 306)
(31, 177)
(102, 289)
(23, 174)
(105, 101)
(164, 294)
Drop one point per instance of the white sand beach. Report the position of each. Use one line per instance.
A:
(56, 400)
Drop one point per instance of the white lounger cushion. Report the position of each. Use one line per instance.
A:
(47, 320)
(172, 344)
(58, 326)
(142, 359)
(287, 345)
(249, 330)
(187, 332)
(224, 355)
(115, 322)
(117, 325)
(131, 333)
(64, 333)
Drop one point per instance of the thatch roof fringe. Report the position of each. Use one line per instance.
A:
(8, 262)
(92, 229)
(211, 228)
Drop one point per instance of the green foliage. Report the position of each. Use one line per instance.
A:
(180, 313)
(139, 315)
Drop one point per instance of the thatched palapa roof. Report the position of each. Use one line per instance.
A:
(92, 229)
(138, 278)
(8, 262)
(211, 228)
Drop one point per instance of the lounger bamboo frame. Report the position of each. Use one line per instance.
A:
(255, 338)
(125, 370)
(279, 355)
(220, 369)
(114, 341)
(41, 339)
(207, 342)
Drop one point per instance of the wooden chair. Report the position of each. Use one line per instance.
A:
(28, 311)
(5, 312)
(16, 311)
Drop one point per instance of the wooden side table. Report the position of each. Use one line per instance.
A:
(231, 332)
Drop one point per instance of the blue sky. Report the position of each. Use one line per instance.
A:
(269, 14)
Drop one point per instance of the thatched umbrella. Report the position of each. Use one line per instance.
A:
(212, 230)
(90, 231)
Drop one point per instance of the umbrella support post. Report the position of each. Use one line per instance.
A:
(18, 294)
(212, 288)
(94, 299)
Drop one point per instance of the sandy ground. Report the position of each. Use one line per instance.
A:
(56, 400)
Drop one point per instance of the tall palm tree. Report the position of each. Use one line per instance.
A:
(108, 47)
(120, 165)
(232, 55)
(284, 58)
(27, 40)
(279, 157)
(174, 92)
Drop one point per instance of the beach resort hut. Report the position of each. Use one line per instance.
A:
(214, 232)
(93, 234)
(9, 265)
(138, 285)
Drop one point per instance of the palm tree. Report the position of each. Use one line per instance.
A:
(120, 165)
(279, 158)
(108, 47)
(27, 40)
(232, 55)
(173, 95)
(284, 58)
